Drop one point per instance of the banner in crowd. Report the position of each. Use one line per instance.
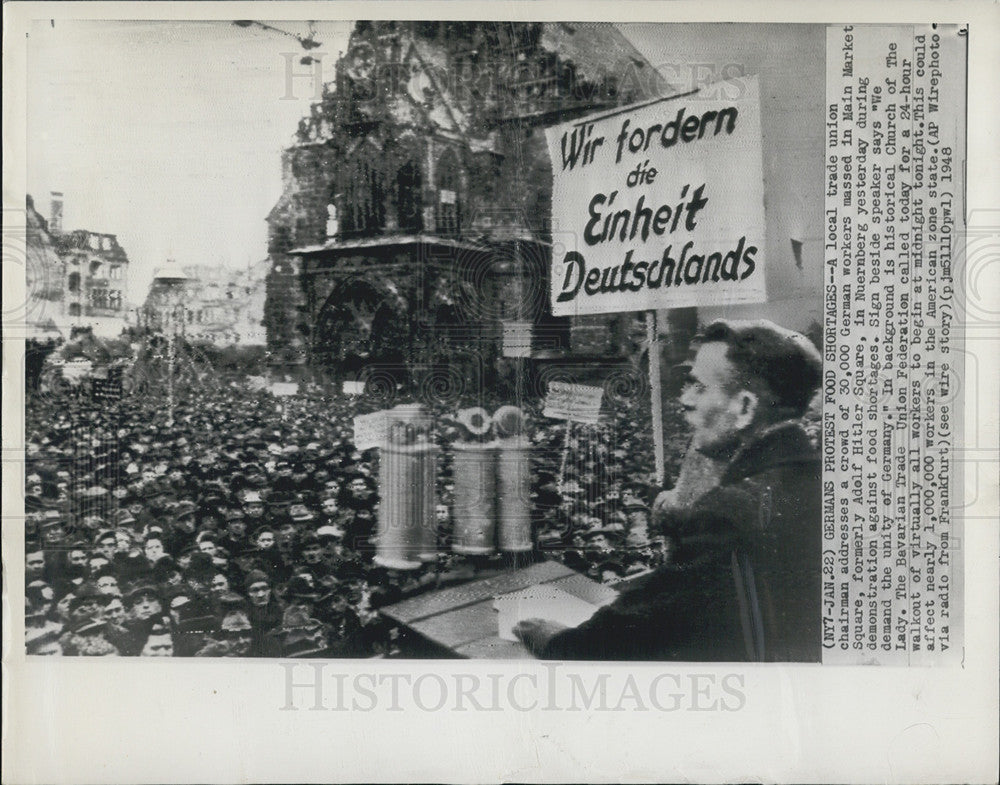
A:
(576, 402)
(660, 205)
(517, 339)
(284, 388)
(75, 371)
(371, 430)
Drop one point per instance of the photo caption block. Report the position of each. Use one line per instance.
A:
(892, 567)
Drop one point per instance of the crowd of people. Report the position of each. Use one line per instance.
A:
(242, 524)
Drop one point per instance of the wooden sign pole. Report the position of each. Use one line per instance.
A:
(655, 395)
(565, 455)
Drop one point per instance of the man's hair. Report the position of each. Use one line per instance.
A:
(781, 364)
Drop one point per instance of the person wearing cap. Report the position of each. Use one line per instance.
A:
(129, 562)
(145, 609)
(235, 538)
(266, 612)
(252, 504)
(53, 531)
(112, 610)
(744, 580)
(105, 543)
(159, 642)
(107, 582)
(311, 556)
(182, 531)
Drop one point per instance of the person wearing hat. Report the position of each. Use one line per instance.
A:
(107, 582)
(301, 592)
(744, 580)
(301, 636)
(86, 603)
(43, 642)
(232, 639)
(86, 638)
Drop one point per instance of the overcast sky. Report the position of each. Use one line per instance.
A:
(166, 134)
(169, 134)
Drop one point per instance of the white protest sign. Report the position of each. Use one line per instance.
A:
(575, 402)
(256, 382)
(75, 370)
(660, 205)
(354, 388)
(371, 430)
(517, 339)
(284, 388)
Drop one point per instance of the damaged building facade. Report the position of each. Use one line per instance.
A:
(75, 279)
(216, 305)
(414, 229)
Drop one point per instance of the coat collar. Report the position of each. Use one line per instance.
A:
(779, 444)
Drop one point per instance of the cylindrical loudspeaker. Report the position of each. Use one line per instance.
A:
(513, 488)
(474, 513)
(407, 533)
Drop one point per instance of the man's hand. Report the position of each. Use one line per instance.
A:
(536, 633)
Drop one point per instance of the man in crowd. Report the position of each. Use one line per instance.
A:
(744, 580)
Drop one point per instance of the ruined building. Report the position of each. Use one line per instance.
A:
(216, 305)
(414, 228)
(75, 279)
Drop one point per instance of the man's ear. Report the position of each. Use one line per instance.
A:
(746, 404)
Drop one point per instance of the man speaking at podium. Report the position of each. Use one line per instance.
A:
(743, 583)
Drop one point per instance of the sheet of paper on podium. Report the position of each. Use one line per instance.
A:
(541, 602)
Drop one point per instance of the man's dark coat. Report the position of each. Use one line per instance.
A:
(744, 583)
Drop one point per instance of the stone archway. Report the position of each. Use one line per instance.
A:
(363, 321)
